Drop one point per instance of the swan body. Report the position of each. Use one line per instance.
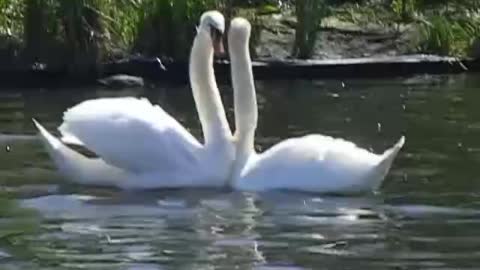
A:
(313, 163)
(316, 163)
(140, 146)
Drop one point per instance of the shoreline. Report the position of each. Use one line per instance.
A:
(264, 69)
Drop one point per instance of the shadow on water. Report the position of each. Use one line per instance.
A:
(426, 217)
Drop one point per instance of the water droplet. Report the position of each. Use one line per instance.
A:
(379, 127)
(8, 149)
(343, 85)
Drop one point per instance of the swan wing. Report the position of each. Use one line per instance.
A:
(130, 133)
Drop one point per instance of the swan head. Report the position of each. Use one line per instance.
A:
(239, 32)
(213, 23)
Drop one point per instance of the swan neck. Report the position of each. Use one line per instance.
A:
(245, 102)
(205, 91)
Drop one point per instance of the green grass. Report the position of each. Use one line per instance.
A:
(11, 14)
(167, 27)
(444, 27)
(83, 33)
(450, 34)
(310, 14)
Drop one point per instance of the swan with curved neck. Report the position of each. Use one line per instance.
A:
(202, 78)
(313, 163)
(141, 146)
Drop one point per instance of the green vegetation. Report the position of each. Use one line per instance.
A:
(451, 32)
(84, 32)
(309, 15)
(78, 34)
(446, 27)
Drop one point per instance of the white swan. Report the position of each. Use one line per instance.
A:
(314, 163)
(139, 145)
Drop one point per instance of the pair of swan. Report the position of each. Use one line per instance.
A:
(141, 146)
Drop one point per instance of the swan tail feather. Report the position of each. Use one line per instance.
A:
(77, 167)
(51, 143)
(65, 159)
(381, 170)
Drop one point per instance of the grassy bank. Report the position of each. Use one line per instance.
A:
(445, 27)
(79, 34)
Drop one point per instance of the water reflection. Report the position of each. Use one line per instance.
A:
(426, 217)
(169, 229)
(190, 230)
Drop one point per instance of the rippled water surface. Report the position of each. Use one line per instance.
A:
(426, 216)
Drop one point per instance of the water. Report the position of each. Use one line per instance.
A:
(427, 215)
